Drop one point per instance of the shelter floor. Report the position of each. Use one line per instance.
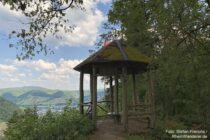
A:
(108, 130)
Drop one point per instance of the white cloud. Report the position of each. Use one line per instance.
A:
(7, 68)
(14, 80)
(22, 74)
(63, 74)
(68, 63)
(53, 75)
(38, 65)
(43, 65)
(19, 63)
(87, 23)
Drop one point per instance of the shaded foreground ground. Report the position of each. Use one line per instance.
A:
(108, 130)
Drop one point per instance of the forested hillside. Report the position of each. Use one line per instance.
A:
(17, 91)
(30, 96)
(6, 109)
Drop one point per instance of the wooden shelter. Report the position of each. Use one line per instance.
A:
(116, 61)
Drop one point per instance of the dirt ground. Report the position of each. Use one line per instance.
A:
(108, 130)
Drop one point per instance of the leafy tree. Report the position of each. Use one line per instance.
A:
(175, 33)
(44, 17)
(66, 125)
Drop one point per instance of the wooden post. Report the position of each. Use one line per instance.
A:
(91, 91)
(116, 104)
(81, 90)
(152, 99)
(134, 91)
(124, 99)
(111, 94)
(94, 88)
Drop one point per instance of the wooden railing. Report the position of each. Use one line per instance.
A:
(141, 112)
(89, 106)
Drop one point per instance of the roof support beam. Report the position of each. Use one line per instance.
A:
(94, 92)
(152, 99)
(122, 51)
(116, 103)
(124, 99)
(91, 93)
(81, 90)
(111, 94)
(134, 90)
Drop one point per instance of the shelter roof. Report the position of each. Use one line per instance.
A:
(116, 54)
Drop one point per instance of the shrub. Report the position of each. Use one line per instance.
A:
(68, 125)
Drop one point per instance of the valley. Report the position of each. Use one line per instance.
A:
(44, 99)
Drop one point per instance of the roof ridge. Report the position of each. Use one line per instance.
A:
(122, 51)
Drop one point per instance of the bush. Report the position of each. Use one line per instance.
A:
(68, 125)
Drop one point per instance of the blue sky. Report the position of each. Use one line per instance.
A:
(52, 71)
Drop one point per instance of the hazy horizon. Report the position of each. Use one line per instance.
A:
(31, 86)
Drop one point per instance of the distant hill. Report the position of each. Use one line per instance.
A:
(17, 91)
(10, 97)
(58, 94)
(37, 97)
(6, 109)
(27, 96)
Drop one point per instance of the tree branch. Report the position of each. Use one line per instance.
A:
(63, 9)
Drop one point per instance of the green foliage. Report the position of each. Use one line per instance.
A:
(67, 125)
(44, 18)
(135, 21)
(175, 33)
(6, 109)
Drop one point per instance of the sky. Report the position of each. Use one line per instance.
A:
(53, 71)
